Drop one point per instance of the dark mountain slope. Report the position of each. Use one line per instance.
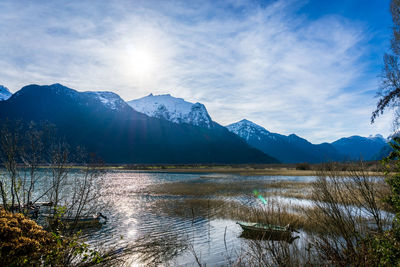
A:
(357, 147)
(104, 124)
(294, 149)
(288, 149)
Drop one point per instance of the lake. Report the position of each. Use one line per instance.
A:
(172, 218)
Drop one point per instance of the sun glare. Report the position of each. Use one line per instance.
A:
(139, 62)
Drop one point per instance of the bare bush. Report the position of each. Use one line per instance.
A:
(348, 210)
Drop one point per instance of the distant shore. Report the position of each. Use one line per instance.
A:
(241, 171)
(301, 169)
(276, 170)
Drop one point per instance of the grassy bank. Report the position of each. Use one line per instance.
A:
(373, 168)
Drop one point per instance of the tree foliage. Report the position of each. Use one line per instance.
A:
(383, 248)
(389, 92)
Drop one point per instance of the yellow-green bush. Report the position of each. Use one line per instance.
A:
(22, 240)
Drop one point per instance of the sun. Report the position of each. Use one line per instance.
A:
(143, 61)
(139, 62)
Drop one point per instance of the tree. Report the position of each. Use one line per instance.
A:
(383, 249)
(38, 167)
(389, 91)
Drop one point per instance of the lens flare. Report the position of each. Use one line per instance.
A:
(257, 194)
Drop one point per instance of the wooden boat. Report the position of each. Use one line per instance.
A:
(267, 231)
(80, 222)
(44, 204)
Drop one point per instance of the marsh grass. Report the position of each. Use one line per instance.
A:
(210, 187)
(274, 213)
(342, 210)
(148, 249)
(197, 201)
(157, 249)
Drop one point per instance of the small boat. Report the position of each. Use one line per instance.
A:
(80, 222)
(267, 231)
(44, 204)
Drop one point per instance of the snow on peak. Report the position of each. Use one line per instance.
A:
(247, 129)
(4, 93)
(393, 135)
(109, 99)
(173, 109)
(377, 137)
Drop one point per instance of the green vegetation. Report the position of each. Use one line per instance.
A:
(383, 248)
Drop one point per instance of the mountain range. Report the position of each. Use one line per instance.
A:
(106, 125)
(165, 129)
(287, 149)
(294, 149)
(364, 148)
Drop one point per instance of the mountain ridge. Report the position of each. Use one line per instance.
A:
(119, 134)
(174, 114)
(173, 109)
(295, 149)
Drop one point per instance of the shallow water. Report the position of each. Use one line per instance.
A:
(151, 236)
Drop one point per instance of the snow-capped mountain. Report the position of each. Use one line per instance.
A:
(292, 148)
(378, 137)
(109, 99)
(247, 130)
(288, 149)
(4, 93)
(117, 133)
(173, 109)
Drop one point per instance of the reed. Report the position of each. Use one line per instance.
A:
(335, 222)
(274, 213)
(210, 187)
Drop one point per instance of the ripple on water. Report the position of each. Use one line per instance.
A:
(156, 237)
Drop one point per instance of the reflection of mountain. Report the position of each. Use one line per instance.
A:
(104, 124)
(292, 148)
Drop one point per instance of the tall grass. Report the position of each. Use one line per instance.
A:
(211, 187)
(345, 211)
(346, 206)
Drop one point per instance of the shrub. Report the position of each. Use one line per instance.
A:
(22, 241)
(303, 166)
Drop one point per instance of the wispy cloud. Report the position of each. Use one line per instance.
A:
(266, 63)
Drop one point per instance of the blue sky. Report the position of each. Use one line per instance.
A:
(293, 66)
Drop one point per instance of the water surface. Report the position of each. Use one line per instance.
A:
(153, 236)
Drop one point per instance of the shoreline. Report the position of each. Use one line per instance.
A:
(240, 171)
(269, 171)
(246, 171)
